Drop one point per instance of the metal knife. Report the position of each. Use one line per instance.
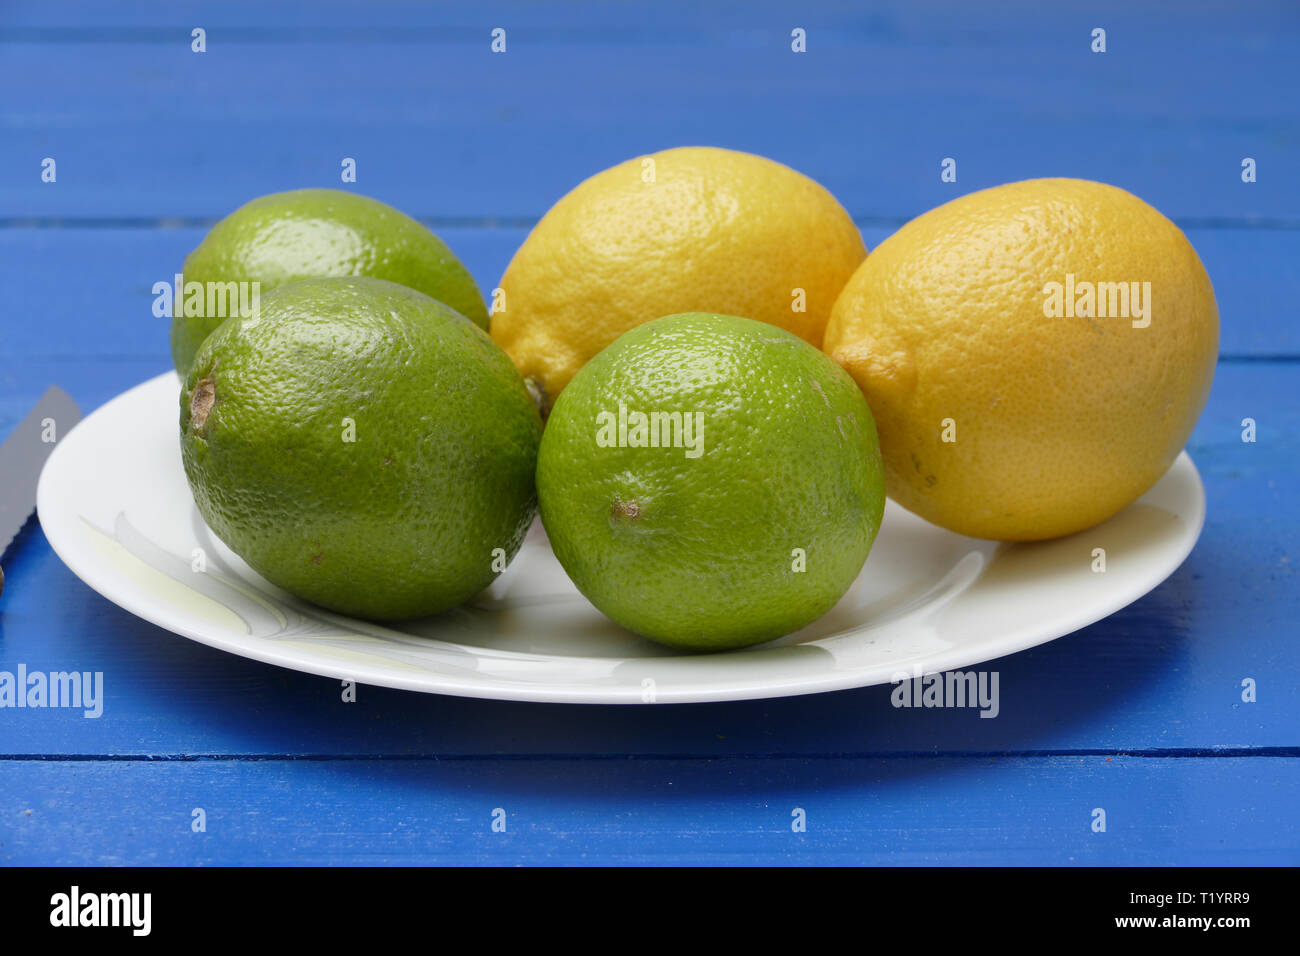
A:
(23, 455)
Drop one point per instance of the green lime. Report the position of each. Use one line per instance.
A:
(362, 446)
(309, 233)
(711, 482)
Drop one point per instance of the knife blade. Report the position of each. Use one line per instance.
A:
(23, 454)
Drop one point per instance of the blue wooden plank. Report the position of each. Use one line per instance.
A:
(88, 292)
(152, 129)
(1012, 22)
(967, 811)
(1164, 673)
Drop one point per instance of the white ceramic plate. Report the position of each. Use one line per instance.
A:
(115, 506)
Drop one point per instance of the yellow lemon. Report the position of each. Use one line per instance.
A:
(1035, 355)
(694, 229)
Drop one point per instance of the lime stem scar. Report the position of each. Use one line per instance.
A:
(205, 394)
(628, 510)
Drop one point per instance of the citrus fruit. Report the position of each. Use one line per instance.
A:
(1036, 355)
(710, 482)
(362, 446)
(310, 233)
(690, 229)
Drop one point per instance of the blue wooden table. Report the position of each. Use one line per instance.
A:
(1141, 714)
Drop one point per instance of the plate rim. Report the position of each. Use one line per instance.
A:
(493, 688)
